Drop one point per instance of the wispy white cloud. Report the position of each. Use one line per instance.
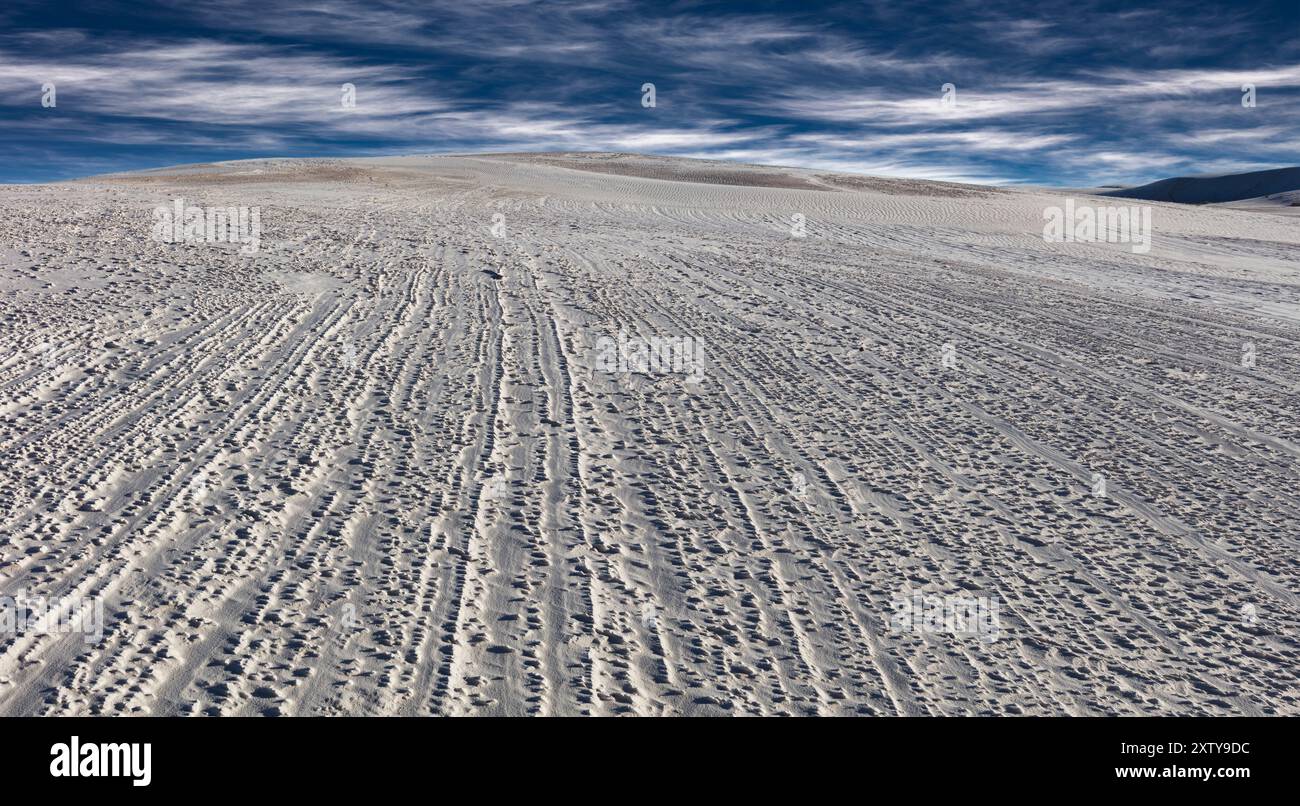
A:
(1034, 95)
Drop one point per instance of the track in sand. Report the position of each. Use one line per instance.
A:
(377, 468)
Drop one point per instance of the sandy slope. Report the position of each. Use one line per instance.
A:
(376, 469)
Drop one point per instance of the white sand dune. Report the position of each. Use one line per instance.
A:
(380, 468)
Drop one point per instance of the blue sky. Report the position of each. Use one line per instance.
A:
(1058, 93)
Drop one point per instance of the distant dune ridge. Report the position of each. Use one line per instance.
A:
(1218, 189)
